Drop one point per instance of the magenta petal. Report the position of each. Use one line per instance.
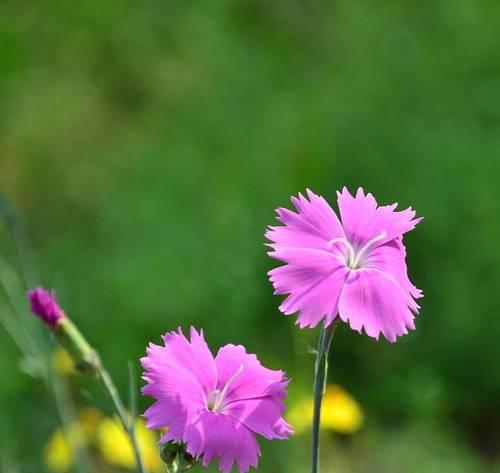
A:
(167, 378)
(44, 305)
(174, 413)
(372, 300)
(254, 380)
(194, 356)
(219, 436)
(178, 376)
(313, 226)
(262, 415)
(314, 279)
(362, 220)
(390, 258)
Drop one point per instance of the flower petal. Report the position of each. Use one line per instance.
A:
(262, 415)
(253, 381)
(215, 435)
(371, 299)
(313, 226)
(179, 375)
(390, 258)
(363, 220)
(167, 378)
(314, 279)
(174, 413)
(194, 356)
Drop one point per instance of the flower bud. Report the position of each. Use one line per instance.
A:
(176, 457)
(44, 306)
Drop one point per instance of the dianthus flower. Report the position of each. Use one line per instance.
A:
(216, 406)
(44, 305)
(354, 268)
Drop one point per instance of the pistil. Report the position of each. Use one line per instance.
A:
(215, 400)
(354, 258)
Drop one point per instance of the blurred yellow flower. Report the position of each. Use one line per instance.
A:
(62, 362)
(116, 449)
(89, 419)
(339, 412)
(108, 435)
(58, 453)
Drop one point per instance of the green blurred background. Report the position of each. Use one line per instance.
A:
(146, 145)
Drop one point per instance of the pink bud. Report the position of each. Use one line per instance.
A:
(44, 306)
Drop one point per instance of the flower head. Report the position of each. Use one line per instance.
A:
(340, 412)
(62, 362)
(216, 406)
(59, 450)
(58, 454)
(115, 447)
(44, 306)
(354, 268)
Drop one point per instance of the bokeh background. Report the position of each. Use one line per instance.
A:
(145, 146)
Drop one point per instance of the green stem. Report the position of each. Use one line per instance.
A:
(89, 362)
(127, 424)
(320, 376)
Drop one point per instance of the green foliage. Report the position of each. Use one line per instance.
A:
(146, 146)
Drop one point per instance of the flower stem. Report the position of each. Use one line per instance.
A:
(89, 363)
(320, 376)
(128, 424)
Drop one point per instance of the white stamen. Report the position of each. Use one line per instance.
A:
(353, 258)
(367, 246)
(216, 398)
(212, 399)
(350, 249)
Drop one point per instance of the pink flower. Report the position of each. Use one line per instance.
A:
(355, 269)
(44, 306)
(216, 406)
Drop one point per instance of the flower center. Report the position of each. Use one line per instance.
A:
(215, 399)
(354, 257)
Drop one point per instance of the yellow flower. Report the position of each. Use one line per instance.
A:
(89, 419)
(58, 453)
(107, 433)
(339, 412)
(62, 362)
(116, 449)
